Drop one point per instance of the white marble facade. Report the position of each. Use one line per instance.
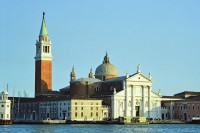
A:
(136, 99)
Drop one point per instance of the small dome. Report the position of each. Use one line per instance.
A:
(106, 69)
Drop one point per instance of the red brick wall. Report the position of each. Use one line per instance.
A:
(43, 76)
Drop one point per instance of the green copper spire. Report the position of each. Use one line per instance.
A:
(43, 30)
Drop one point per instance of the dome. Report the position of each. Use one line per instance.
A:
(106, 69)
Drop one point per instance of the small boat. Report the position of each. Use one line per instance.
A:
(195, 120)
(5, 122)
(128, 120)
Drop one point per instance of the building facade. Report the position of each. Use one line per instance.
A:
(136, 98)
(182, 106)
(88, 109)
(5, 106)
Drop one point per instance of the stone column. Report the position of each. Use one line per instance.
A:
(112, 107)
(149, 101)
(126, 100)
(132, 101)
(143, 100)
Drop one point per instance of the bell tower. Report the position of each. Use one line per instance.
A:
(43, 62)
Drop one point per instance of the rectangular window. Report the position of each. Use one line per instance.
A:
(2, 106)
(91, 114)
(96, 108)
(75, 108)
(1, 115)
(91, 108)
(81, 108)
(75, 114)
(81, 114)
(96, 113)
(46, 49)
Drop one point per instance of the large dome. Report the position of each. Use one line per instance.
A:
(106, 69)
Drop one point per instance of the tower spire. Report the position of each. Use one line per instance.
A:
(73, 75)
(91, 75)
(43, 30)
(43, 14)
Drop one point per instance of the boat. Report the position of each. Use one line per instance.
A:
(128, 120)
(195, 120)
(5, 122)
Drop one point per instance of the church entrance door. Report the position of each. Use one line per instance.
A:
(137, 108)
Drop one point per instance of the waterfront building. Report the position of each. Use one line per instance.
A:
(88, 109)
(5, 105)
(43, 62)
(125, 95)
(182, 106)
(55, 107)
(100, 96)
(24, 108)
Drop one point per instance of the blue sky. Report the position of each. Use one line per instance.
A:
(161, 36)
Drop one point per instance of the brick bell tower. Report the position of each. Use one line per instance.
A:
(43, 62)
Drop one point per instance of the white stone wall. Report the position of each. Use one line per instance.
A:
(137, 92)
(5, 106)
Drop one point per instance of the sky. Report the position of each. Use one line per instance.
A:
(163, 36)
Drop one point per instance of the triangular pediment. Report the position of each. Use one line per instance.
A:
(139, 77)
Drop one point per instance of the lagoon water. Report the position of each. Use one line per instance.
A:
(92, 128)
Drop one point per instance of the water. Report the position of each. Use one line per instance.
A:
(84, 128)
